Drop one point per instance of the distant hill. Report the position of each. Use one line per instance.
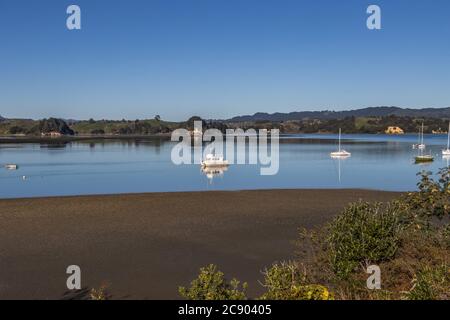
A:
(365, 112)
(49, 125)
(2, 119)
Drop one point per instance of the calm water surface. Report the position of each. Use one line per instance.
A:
(127, 166)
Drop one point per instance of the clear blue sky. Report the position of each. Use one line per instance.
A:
(220, 58)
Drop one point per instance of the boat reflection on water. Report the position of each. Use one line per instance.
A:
(214, 172)
(446, 158)
(339, 160)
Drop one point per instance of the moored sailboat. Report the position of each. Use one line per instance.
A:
(421, 157)
(421, 145)
(446, 152)
(341, 153)
(424, 158)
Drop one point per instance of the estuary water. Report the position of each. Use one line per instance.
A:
(144, 165)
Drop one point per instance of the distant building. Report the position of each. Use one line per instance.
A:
(394, 130)
(53, 134)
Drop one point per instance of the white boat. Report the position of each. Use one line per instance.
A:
(11, 166)
(446, 152)
(421, 157)
(212, 160)
(341, 153)
(420, 145)
(424, 158)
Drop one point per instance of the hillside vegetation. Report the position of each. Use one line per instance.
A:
(358, 113)
(158, 126)
(89, 127)
(349, 125)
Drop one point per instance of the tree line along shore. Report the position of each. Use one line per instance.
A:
(55, 127)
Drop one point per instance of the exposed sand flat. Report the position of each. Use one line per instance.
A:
(146, 245)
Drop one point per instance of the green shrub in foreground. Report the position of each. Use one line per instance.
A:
(433, 198)
(285, 281)
(212, 285)
(364, 232)
(99, 294)
(446, 235)
(431, 283)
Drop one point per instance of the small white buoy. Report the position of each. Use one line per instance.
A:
(24, 178)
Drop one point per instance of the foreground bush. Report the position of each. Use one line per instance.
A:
(431, 284)
(285, 281)
(212, 285)
(364, 232)
(433, 198)
(99, 294)
(445, 233)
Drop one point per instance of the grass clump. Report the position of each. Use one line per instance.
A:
(100, 293)
(212, 285)
(431, 283)
(285, 281)
(445, 234)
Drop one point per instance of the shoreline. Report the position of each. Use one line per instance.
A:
(75, 138)
(146, 245)
(66, 139)
(130, 194)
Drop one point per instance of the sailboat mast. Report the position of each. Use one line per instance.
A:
(422, 134)
(339, 139)
(448, 138)
(420, 151)
(418, 138)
